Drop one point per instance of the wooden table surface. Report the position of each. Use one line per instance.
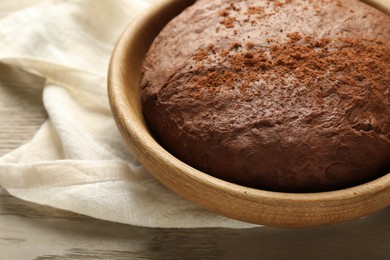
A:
(30, 231)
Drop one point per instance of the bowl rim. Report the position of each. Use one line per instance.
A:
(270, 207)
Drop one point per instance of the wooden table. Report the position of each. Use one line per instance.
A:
(30, 231)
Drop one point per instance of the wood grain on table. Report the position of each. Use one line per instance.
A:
(31, 231)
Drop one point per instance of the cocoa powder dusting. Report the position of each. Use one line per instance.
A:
(250, 45)
(201, 55)
(294, 37)
(318, 64)
(252, 14)
(278, 3)
(255, 10)
(228, 22)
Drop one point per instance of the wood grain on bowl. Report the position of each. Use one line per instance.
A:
(242, 203)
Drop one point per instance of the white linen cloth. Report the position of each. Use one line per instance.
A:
(77, 160)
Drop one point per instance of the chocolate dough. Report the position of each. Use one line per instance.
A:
(279, 95)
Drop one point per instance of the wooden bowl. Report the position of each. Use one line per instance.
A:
(238, 202)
